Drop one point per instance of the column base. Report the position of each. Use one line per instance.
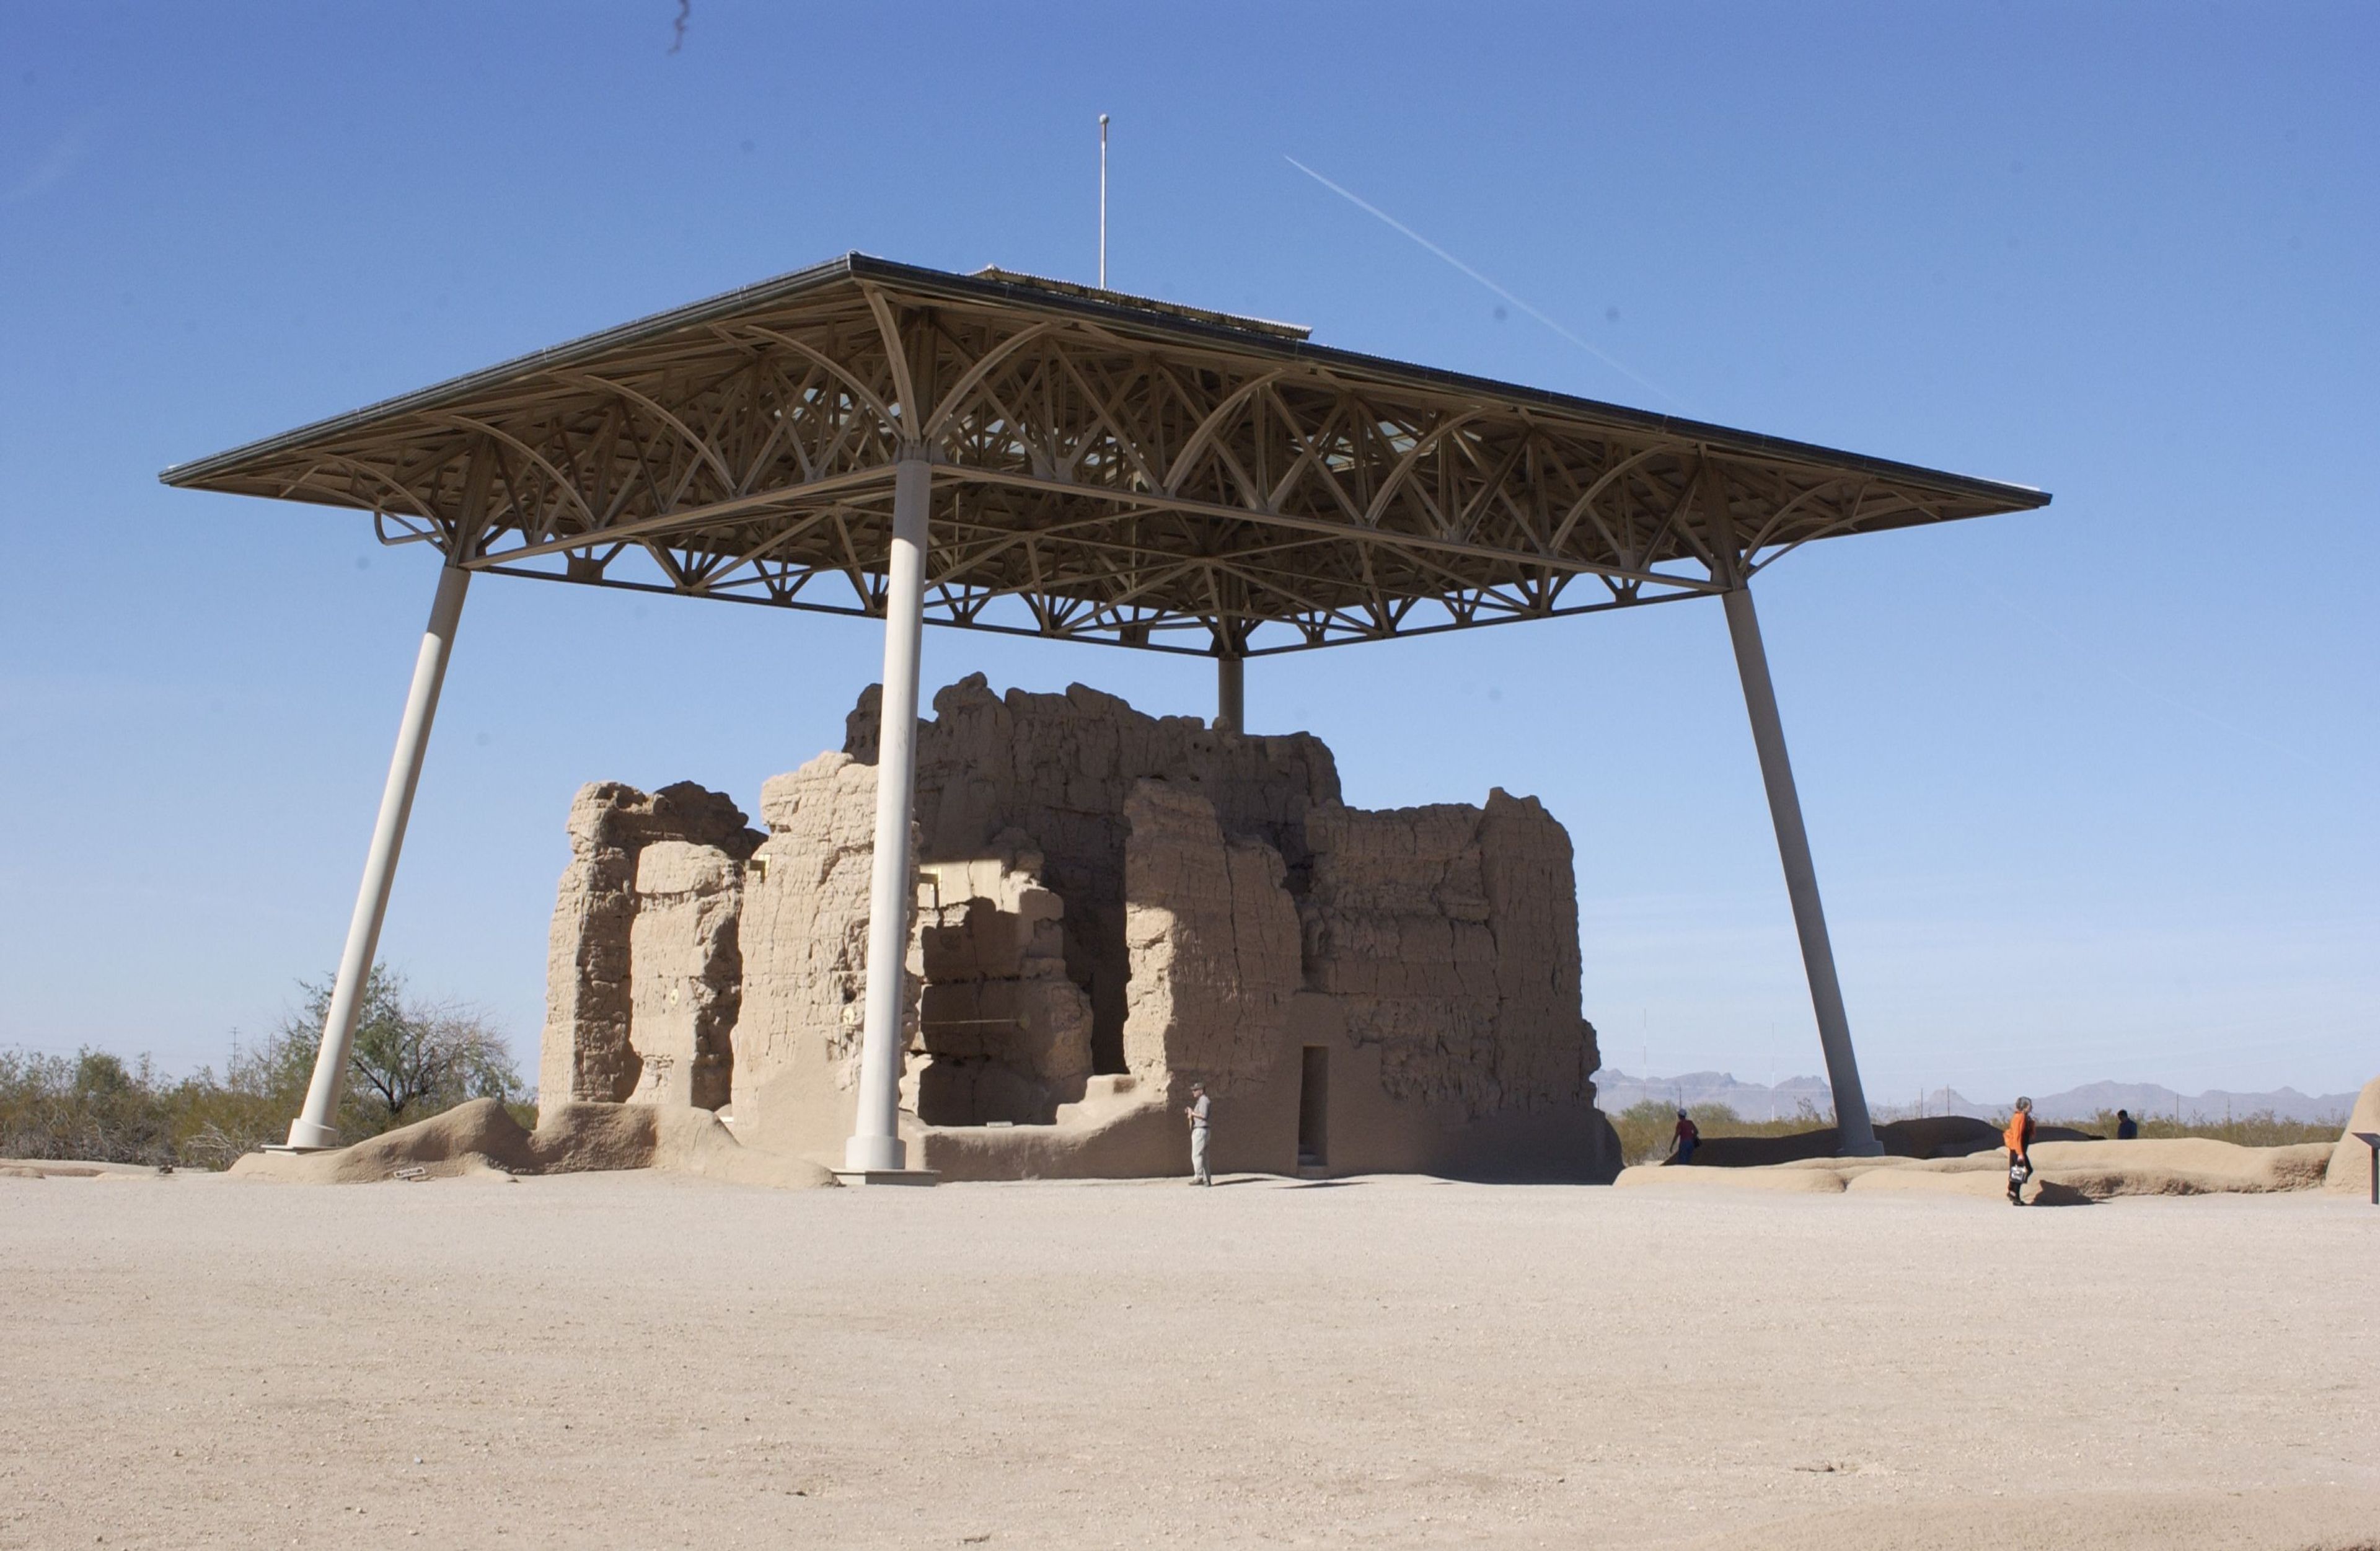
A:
(875, 1154)
(887, 1176)
(305, 1136)
(1874, 1149)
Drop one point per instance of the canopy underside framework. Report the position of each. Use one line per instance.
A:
(1105, 469)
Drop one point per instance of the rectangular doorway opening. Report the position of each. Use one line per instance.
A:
(1314, 1109)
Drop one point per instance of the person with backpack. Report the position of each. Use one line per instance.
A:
(2018, 1138)
(1684, 1140)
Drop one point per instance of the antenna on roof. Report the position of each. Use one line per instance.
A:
(1103, 201)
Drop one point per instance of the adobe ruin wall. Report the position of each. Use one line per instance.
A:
(1110, 906)
(588, 1051)
(1061, 769)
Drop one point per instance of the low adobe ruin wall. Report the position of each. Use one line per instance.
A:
(1110, 906)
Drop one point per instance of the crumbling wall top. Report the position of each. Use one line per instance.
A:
(613, 814)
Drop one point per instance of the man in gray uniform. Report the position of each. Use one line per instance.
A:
(1197, 1111)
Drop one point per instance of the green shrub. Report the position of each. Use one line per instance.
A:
(1646, 1127)
(87, 1105)
(411, 1059)
(2262, 1128)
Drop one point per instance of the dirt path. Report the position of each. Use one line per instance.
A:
(641, 1359)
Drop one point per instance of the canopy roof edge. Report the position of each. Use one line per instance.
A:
(1083, 302)
(1109, 468)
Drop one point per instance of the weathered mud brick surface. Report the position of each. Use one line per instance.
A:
(1005, 1034)
(587, 1052)
(804, 918)
(1451, 936)
(1211, 936)
(1061, 768)
(685, 973)
(1107, 905)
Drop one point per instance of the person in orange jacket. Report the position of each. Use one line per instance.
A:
(2018, 1138)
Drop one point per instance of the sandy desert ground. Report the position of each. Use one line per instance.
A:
(648, 1359)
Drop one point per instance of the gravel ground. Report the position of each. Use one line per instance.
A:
(647, 1360)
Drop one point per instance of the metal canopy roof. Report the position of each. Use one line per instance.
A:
(1107, 469)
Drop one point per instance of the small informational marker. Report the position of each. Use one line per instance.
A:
(2372, 1140)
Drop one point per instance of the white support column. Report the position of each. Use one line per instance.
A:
(1858, 1137)
(875, 1146)
(1231, 694)
(314, 1128)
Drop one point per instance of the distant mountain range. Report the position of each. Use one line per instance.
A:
(2148, 1098)
(1760, 1100)
(1615, 1091)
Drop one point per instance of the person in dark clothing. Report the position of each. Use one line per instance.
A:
(2127, 1129)
(1684, 1140)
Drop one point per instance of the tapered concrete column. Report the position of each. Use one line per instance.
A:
(314, 1128)
(876, 1142)
(1801, 877)
(1231, 694)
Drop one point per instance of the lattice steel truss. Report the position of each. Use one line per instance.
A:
(1107, 469)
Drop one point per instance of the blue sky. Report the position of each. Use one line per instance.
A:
(2090, 788)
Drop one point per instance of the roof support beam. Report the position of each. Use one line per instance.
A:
(317, 1125)
(1856, 1135)
(791, 500)
(1348, 531)
(875, 1146)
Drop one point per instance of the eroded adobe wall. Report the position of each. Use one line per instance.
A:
(1430, 967)
(686, 973)
(805, 947)
(1210, 888)
(1544, 1049)
(1005, 1033)
(994, 1027)
(1212, 939)
(1449, 936)
(1061, 768)
(586, 1051)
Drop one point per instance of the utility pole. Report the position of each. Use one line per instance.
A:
(1103, 201)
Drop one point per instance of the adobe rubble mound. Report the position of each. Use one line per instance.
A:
(1109, 906)
(479, 1139)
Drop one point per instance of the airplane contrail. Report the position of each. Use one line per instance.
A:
(1373, 210)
